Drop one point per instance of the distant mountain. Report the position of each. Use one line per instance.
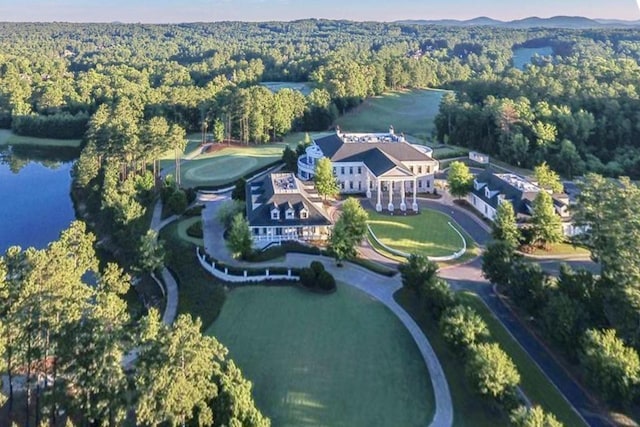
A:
(576, 22)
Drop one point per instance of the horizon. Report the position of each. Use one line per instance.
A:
(170, 11)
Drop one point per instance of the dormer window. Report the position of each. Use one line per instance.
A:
(290, 214)
(487, 192)
(275, 214)
(304, 214)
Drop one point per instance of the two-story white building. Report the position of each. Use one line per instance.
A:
(384, 166)
(490, 189)
(281, 208)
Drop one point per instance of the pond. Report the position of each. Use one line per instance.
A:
(522, 56)
(35, 201)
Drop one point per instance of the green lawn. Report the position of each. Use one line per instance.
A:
(9, 138)
(533, 382)
(302, 87)
(200, 294)
(470, 410)
(325, 360)
(562, 249)
(409, 111)
(225, 166)
(428, 233)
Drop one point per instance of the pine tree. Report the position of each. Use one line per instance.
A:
(546, 225)
(504, 225)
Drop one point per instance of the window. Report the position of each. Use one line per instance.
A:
(350, 185)
(341, 185)
(411, 169)
(304, 214)
(428, 184)
(350, 170)
(342, 170)
(290, 214)
(428, 169)
(419, 184)
(359, 170)
(419, 170)
(275, 214)
(335, 171)
(359, 185)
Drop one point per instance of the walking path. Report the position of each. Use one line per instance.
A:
(170, 286)
(466, 276)
(377, 286)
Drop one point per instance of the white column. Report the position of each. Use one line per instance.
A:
(414, 206)
(403, 205)
(390, 207)
(368, 184)
(379, 204)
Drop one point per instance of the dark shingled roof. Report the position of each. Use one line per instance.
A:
(267, 199)
(522, 200)
(379, 157)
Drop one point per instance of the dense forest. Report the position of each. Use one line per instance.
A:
(578, 109)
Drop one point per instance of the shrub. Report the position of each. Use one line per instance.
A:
(177, 203)
(436, 296)
(195, 230)
(315, 277)
(194, 210)
(533, 417)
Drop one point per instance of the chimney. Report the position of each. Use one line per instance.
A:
(391, 130)
(338, 130)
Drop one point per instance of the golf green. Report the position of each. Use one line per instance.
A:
(325, 360)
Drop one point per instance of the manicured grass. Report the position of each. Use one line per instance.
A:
(303, 87)
(562, 249)
(325, 360)
(9, 138)
(200, 294)
(182, 231)
(427, 233)
(533, 382)
(227, 165)
(449, 151)
(409, 111)
(470, 410)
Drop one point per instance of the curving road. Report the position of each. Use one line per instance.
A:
(469, 277)
(380, 287)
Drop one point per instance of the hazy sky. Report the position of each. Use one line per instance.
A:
(261, 10)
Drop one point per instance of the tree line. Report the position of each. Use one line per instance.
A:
(73, 355)
(592, 319)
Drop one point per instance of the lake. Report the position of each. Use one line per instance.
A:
(522, 56)
(35, 204)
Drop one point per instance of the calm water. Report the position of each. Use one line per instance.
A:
(35, 205)
(522, 56)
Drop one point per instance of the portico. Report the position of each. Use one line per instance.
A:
(386, 191)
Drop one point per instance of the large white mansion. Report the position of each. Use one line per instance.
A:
(380, 164)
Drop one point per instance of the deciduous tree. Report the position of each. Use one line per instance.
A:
(326, 183)
(460, 179)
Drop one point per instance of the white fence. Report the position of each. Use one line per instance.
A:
(432, 258)
(223, 273)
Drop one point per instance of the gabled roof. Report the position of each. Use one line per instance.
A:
(379, 157)
(262, 199)
(521, 197)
